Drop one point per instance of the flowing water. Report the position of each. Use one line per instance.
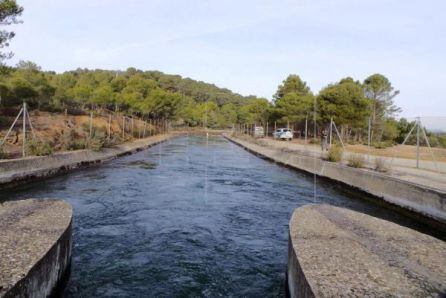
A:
(189, 217)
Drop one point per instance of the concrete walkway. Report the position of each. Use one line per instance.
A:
(35, 246)
(21, 170)
(335, 252)
(400, 168)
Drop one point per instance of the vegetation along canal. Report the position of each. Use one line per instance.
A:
(192, 216)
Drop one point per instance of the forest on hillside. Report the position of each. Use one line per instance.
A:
(183, 101)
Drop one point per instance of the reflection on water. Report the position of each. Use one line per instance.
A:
(189, 217)
(142, 164)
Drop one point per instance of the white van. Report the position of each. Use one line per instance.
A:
(283, 134)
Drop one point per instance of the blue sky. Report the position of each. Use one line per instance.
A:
(248, 46)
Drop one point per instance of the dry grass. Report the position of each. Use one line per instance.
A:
(398, 151)
(356, 161)
(381, 165)
(54, 128)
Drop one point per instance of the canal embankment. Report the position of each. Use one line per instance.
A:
(22, 170)
(336, 252)
(417, 199)
(35, 247)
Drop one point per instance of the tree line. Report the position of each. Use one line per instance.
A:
(351, 104)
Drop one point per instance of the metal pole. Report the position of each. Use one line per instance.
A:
(418, 142)
(267, 129)
(339, 136)
(24, 130)
(275, 125)
(11, 127)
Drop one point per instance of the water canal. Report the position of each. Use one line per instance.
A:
(189, 217)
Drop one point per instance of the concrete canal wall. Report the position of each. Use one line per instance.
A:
(35, 247)
(335, 252)
(430, 203)
(17, 171)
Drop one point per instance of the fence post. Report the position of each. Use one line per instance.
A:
(24, 130)
(11, 127)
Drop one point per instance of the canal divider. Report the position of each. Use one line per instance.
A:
(335, 252)
(35, 247)
(424, 203)
(22, 170)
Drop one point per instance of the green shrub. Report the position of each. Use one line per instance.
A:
(77, 145)
(97, 141)
(114, 140)
(95, 144)
(39, 148)
(356, 161)
(335, 154)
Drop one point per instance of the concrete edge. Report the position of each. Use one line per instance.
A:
(71, 160)
(412, 203)
(48, 274)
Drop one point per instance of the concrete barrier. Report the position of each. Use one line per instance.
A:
(416, 198)
(335, 252)
(35, 247)
(17, 171)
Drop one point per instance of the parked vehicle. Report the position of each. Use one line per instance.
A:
(283, 134)
(259, 132)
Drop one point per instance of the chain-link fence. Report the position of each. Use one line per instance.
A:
(24, 132)
(411, 148)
